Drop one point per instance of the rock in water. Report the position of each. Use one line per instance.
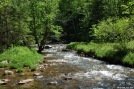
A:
(67, 78)
(37, 74)
(8, 72)
(26, 81)
(39, 77)
(4, 81)
(48, 47)
(53, 83)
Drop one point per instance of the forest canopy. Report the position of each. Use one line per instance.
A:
(26, 22)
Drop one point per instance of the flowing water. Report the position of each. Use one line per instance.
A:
(67, 70)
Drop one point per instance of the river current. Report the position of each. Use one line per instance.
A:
(92, 73)
(67, 70)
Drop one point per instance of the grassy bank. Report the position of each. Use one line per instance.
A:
(20, 57)
(110, 52)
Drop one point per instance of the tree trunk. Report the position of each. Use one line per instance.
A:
(40, 48)
(43, 41)
(6, 28)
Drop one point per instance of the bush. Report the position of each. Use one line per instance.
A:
(105, 51)
(33, 67)
(112, 52)
(15, 65)
(20, 70)
(129, 59)
(72, 45)
(114, 30)
(19, 57)
(2, 65)
(130, 45)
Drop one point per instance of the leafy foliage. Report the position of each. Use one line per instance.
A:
(114, 31)
(19, 57)
(112, 52)
(129, 59)
(42, 20)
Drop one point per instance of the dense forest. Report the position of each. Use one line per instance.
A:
(82, 22)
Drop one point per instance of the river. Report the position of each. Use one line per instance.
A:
(67, 70)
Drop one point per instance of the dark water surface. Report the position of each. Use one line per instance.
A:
(67, 70)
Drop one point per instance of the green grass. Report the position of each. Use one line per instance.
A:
(113, 52)
(104, 50)
(20, 57)
(2, 65)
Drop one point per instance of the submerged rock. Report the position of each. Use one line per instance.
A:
(53, 83)
(65, 50)
(8, 72)
(67, 78)
(48, 47)
(22, 74)
(39, 77)
(4, 81)
(36, 74)
(26, 81)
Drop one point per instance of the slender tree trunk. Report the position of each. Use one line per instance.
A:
(43, 41)
(33, 24)
(6, 28)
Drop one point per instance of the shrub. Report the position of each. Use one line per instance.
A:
(20, 70)
(119, 53)
(33, 67)
(129, 59)
(2, 65)
(72, 45)
(114, 30)
(15, 65)
(130, 45)
(20, 57)
(105, 50)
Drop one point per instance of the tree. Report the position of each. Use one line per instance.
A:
(96, 11)
(73, 18)
(127, 9)
(42, 17)
(117, 30)
(13, 25)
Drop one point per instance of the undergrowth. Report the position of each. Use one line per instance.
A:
(112, 52)
(20, 57)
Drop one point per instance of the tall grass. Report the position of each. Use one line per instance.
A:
(104, 50)
(19, 57)
(112, 52)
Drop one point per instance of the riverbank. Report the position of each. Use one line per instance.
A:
(64, 69)
(110, 52)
